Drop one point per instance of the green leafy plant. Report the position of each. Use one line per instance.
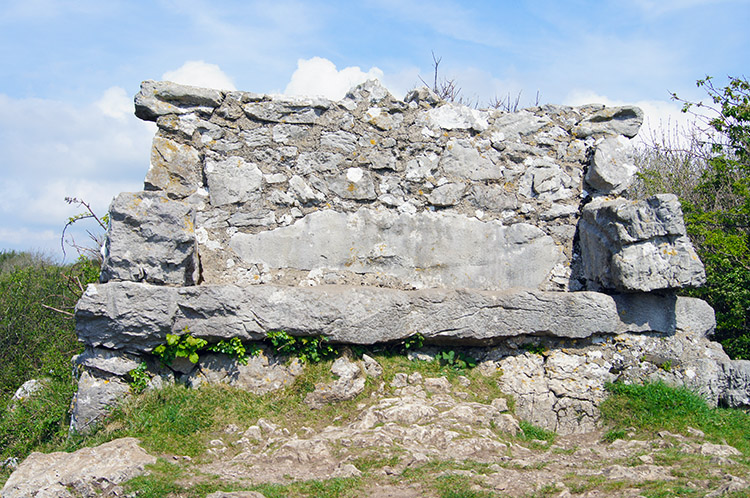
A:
(711, 176)
(414, 341)
(307, 349)
(535, 348)
(233, 347)
(180, 346)
(456, 360)
(139, 378)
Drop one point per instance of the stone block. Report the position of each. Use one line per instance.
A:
(151, 238)
(638, 245)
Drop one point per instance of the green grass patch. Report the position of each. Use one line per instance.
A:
(654, 407)
(530, 432)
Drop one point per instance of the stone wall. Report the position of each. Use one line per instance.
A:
(372, 219)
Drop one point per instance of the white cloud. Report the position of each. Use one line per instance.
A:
(200, 73)
(319, 77)
(115, 103)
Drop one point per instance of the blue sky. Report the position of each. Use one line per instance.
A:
(71, 68)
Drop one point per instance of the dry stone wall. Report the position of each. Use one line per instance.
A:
(372, 219)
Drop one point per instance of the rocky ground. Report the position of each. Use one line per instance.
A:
(413, 435)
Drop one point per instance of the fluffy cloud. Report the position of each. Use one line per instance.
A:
(319, 77)
(199, 73)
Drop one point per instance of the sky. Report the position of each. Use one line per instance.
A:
(70, 69)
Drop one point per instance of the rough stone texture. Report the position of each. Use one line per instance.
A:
(84, 473)
(27, 390)
(419, 250)
(159, 98)
(737, 378)
(613, 167)
(263, 373)
(372, 219)
(151, 238)
(350, 383)
(176, 168)
(638, 246)
(624, 120)
(256, 168)
(561, 388)
(96, 396)
(115, 315)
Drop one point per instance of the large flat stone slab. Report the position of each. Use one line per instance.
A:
(421, 250)
(135, 317)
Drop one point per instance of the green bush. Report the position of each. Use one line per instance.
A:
(712, 178)
(37, 341)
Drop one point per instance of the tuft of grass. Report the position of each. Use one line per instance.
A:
(614, 434)
(654, 407)
(530, 432)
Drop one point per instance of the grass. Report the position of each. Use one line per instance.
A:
(655, 407)
(530, 432)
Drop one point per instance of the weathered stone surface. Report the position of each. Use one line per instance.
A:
(463, 161)
(26, 391)
(232, 181)
(83, 473)
(175, 168)
(446, 195)
(421, 250)
(737, 378)
(457, 117)
(263, 373)
(624, 120)
(151, 238)
(613, 167)
(349, 384)
(114, 315)
(97, 394)
(235, 494)
(638, 246)
(106, 361)
(158, 98)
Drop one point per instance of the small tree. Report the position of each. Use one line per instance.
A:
(717, 210)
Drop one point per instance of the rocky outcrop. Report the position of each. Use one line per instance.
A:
(88, 472)
(373, 219)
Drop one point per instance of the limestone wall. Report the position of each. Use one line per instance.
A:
(372, 219)
(253, 189)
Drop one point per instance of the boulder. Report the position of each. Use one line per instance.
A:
(638, 245)
(84, 473)
(349, 384)
(612, 121)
